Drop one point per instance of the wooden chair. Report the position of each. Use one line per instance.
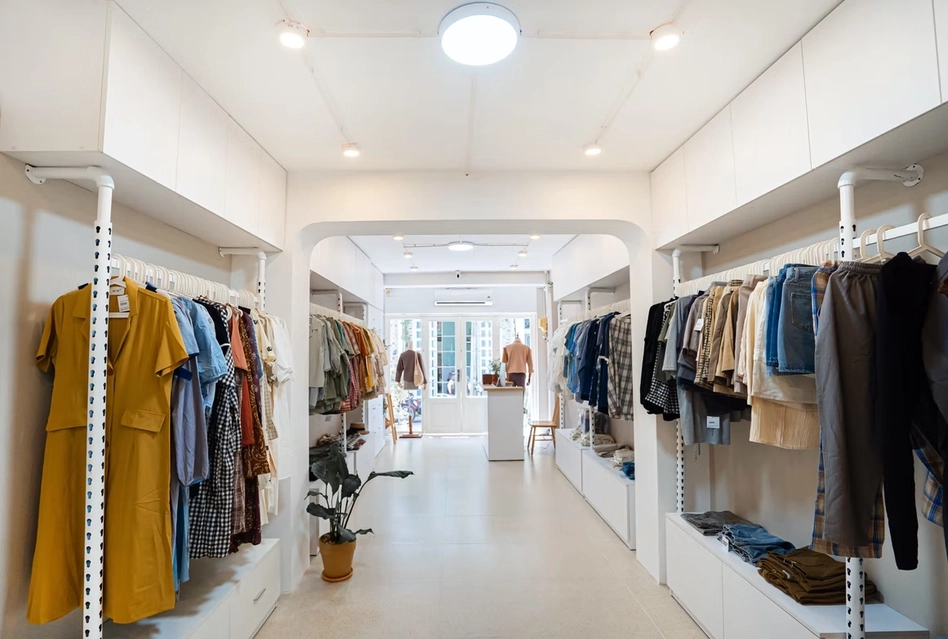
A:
(390, 417)
(552, 425)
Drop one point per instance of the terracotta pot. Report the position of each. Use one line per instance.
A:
(487, 379)
(495, 379)
(337, 559)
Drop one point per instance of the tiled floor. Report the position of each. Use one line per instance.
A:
(468, 548)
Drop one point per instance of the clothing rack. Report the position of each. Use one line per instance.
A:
(843, 247)
(103, 262)
(316, 309)
(625, 306)
(182, 283)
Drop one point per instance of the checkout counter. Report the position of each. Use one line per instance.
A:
(504, 423)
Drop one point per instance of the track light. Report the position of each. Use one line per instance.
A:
(292, 34)
(665, 37)
(414, 268)
(522, 253)
(514, 267)
(408, 255)
(592, 150)
(351, 150)
(534, 237)
(398, 238)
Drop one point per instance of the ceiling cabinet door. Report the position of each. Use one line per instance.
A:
(669, 199)
(272, 201)
(870, 66)
(202, 149)
(709, 171)
(242, 192)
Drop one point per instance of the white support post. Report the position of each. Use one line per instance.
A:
(910, 176)
(261, 270)
(94, 525)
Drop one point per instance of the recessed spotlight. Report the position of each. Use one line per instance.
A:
(522, 253)
(398, 238)
(414, 268)
(459, 247)
(534, 237)
(479, 33)
(351, 150)
(408, 255)
(592, 150)
(514, 267)
(665, 37)
(292, 34)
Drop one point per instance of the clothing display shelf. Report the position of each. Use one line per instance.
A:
(729, 599)
(94, 525)
(843, 249)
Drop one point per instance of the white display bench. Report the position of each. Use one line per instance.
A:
(730, 600)
(228, 598)
(610, 493)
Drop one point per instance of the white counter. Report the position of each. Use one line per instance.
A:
(504, 423)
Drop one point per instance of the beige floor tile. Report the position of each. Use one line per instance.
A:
(470, 549)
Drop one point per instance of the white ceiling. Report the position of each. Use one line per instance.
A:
(388, 254)
(409, 107)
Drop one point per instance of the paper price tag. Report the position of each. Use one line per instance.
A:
(699, 324)
(714, 422)
(116, 290)
(123, 304)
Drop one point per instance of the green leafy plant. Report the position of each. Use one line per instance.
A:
(495, 367)
(340, 494)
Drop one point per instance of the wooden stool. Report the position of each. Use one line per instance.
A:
(552, 425)
(390, 417)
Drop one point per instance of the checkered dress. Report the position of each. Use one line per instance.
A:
(933, 492)
(663, 393)
(620, 369)
(212, 501)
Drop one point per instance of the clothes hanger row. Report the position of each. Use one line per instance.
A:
(177, 283)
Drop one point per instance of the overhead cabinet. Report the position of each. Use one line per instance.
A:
(669, 199)
(709, 171)
(175, 154)
(871, 65)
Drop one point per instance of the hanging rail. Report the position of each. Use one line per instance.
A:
(182, 283)
(261, 269)
(316, 309)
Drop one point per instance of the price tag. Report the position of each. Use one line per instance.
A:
(116, 290)
(726, 542)
(123, 304)
(699, 324)
(714, 422)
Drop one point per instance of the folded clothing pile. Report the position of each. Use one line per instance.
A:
(598, 440)
(752, 542)
(713, 522)
(628, 469)
(622, 456)
(809, 577)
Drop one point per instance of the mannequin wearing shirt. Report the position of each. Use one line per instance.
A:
(519, 360)
(405, 370)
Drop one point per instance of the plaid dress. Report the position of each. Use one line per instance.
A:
(620, 368)
(212, 501)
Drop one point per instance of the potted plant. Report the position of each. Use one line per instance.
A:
(334, 503)
(495, 372)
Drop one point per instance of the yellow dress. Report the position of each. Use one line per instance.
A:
(144, 350)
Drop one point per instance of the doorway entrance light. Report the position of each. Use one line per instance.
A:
(460, 247)
(665, 37)
(292, 34)
(479, 33)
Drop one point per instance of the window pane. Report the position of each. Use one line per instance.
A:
(478, 349)
(442, 356)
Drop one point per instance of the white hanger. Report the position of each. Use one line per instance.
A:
(922, 245)
(883, 255)
(863, 247)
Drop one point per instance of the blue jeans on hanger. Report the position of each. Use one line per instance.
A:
(796, 344)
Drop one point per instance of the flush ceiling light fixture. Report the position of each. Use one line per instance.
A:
(408, 255)
(398, 238)
(292, 34)
(534, 237)
(351, 150)
(459, 247)
(592, 150)
(414, 268)
(665, 37)
(479, 33)
(514, 267)
(522, 253)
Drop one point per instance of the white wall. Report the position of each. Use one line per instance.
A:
(586, 259)
(508, 299)
(777, 488)
(45, 251)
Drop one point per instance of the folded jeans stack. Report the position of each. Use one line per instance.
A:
(809, 577)
(751, 542)
(713, 522)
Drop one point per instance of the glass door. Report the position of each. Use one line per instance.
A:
(459, 354)
(405, 334)
(478, 354)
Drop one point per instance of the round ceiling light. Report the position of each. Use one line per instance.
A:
(351, 150)
(407, 255)
(665, 37)
(398, 238)
(592, 150)
(414, 268)
(292, 34)
(522, 253)
(534, 237)
(479, 33)
(460, 247)
(514, 267)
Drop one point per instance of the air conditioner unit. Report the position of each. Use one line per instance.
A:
(463, 303)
